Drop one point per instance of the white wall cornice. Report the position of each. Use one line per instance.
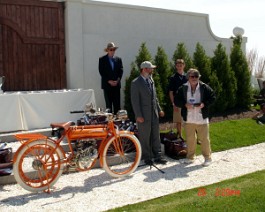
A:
(90, 25)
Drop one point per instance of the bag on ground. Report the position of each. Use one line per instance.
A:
(175, 146)
(6, 163)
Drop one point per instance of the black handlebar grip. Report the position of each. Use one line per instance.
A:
(77, 111)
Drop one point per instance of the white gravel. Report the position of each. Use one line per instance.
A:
(97, 191)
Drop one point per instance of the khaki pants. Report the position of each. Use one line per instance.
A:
(177, 116)
(202, 135)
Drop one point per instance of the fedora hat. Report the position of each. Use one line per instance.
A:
(110, 46)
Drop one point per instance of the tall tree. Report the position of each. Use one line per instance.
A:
(240, 67)
(127, 91)
(163, 70)
(216, 86)
(202, 62)
(143, 55)
(181, 53)
(226, 99)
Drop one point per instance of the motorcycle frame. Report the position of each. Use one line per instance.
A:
(105, 132)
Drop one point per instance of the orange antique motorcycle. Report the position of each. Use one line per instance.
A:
(40, 160)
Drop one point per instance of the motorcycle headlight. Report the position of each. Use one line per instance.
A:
(109, 116)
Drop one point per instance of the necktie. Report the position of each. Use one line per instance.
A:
(111, 60)
(149, 85)
(113, 63)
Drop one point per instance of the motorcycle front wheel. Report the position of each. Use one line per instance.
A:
(122, 155)
(38, 165)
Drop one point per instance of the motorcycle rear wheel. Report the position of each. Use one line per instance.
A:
(37, 166)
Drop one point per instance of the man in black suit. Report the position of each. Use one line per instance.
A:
(111, 71)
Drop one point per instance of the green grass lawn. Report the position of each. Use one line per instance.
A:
(235, 133)
(246, 193)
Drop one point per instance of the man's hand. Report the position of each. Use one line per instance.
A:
(140, 119)
(176, 109)
(113, 83)
(161, 113)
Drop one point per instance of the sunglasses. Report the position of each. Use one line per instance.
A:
(194, 76)
(112, 50)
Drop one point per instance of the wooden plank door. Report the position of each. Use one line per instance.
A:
(32, 45)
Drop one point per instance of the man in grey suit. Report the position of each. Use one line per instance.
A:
(147, 111)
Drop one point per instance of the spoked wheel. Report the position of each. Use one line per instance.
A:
(37, 166)
(121, 156)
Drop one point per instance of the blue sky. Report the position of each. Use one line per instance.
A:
(223, 15)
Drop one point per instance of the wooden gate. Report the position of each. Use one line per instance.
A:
(32, 45)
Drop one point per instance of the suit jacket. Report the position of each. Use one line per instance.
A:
(141, 98)
(107, 73)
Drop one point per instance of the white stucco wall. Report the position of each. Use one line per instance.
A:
(91, 25)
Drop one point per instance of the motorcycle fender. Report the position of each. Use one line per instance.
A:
(29, 141)
(126, 132)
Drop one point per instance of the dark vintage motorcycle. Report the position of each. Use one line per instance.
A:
(93, 117)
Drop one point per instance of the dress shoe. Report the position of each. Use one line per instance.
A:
(161, 161)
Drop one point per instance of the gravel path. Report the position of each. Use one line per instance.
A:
(97, 191)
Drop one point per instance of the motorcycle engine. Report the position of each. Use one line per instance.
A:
(86, 153)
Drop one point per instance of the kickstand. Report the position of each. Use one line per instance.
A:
(152, 164)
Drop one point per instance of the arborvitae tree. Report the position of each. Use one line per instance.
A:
(181, 53)
(163, 70)
(226, 98)
(143, 55)
(216, 86)
(127, 91)
(240, 67)
(163, 67)
(202, 62)
(159, 92)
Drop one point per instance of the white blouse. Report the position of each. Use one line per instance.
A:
(194, 115)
